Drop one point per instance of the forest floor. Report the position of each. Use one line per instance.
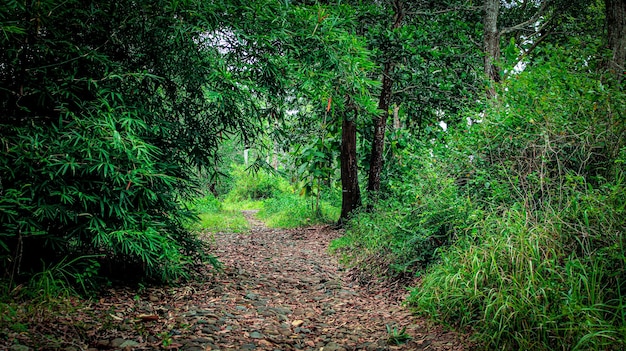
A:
(279, 290)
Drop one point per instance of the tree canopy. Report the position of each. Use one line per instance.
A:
(446, 119)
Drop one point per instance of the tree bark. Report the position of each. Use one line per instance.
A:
(380, 122)
(350, 192)
(491, 43)
(396, 117)
(616, 35)
(378, 144)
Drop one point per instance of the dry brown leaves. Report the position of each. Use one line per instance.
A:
(280, 290)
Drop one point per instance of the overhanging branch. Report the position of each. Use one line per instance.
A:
(530, 21)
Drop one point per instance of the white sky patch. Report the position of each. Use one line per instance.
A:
(443, 125)
(519, 67)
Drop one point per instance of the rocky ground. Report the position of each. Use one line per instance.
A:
(279, 290)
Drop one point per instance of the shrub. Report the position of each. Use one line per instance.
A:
(518, 287)
(255, 185)
(98, 145)
(421, 211)
(544, 266)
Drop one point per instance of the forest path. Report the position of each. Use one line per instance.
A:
(282, 291)
(279, 290)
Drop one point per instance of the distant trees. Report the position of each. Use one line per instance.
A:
(108, 109)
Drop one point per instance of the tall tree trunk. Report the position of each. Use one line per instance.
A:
(396, 117)
(380, 125)
(491, 43)
(350, 192)
(380, 122)
(616, 27)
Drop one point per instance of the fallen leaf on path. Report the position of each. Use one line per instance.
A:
(116, 317)
(148, 317)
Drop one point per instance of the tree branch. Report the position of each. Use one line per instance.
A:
(440, 12)
(530, 21)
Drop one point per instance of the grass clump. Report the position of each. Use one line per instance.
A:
(519, 288)
(242, 205)
(224, 221)
(543, 266)
(292, 211)
(215, 217)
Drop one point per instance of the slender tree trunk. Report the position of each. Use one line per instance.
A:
(351, 194)
(491, 43)
(396, 117)
(380, 122)
(380, 125)
(616, 35)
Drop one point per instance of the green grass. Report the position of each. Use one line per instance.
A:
(218, 217)
(293, 211)
(283, 210)
(517, 286)
(224, 221)
(242, 205)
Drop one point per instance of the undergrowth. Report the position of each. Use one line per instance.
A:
(216, 217)
(515, 224)
(292, 211)
(280, 203)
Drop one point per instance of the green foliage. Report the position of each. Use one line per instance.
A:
(215, 217)
(518, 287)
(223, 221)
(422, 211)
(543, 266)
(292, 211)
(436, 65)
(106, 109)
(205, 204)
(278, 202)
(255, 185)
(61, 278)
(242, 205)
(397, 337)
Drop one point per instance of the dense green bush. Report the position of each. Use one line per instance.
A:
(422, 211)
(518, 287)
(105, 114)
(258, 184)
(515, 222)
(544, 266)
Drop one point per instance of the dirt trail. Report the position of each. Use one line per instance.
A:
(285, 292)
(280, 290)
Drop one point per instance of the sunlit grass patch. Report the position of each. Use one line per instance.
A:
(242, 205)
(293, 211)
(223, 221)
(216, 216)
